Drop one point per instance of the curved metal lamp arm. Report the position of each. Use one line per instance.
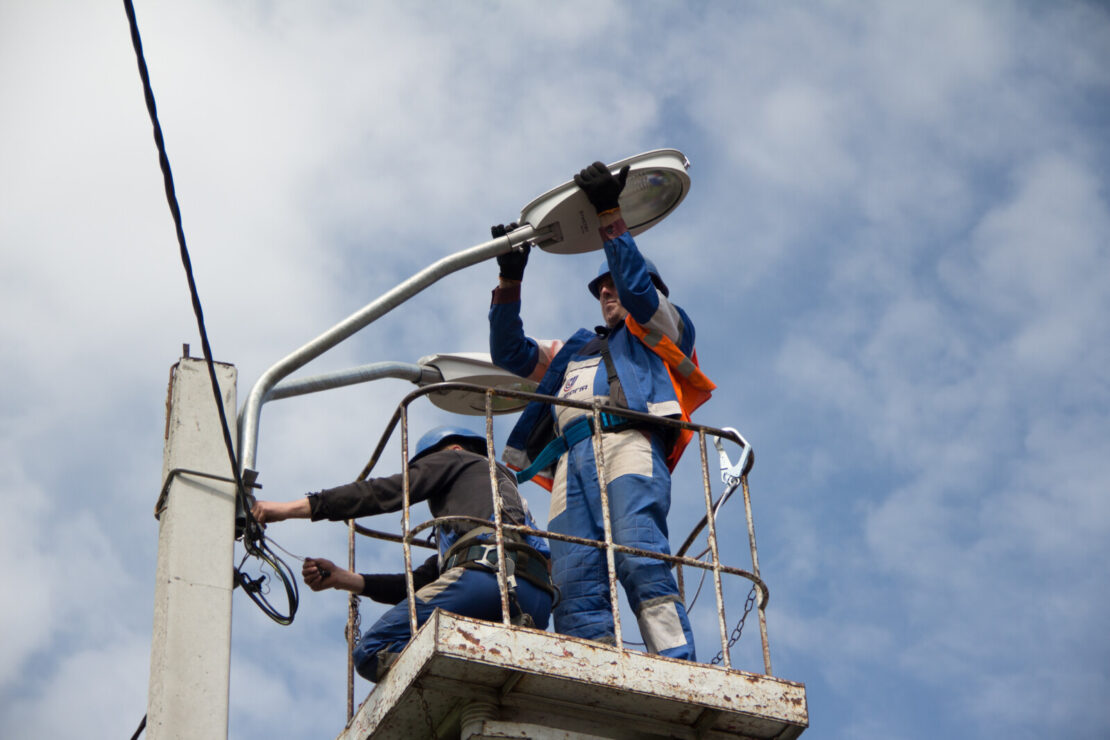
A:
(262, 391)
(418, 374)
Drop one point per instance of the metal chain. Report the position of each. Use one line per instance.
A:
(748, 604)
(427, 710)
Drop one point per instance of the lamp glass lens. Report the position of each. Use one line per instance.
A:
(648, 195)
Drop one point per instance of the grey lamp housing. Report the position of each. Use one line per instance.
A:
(565, 222)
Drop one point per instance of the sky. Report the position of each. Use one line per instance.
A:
(895, 251)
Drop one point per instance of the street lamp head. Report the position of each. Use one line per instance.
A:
(474, 368)
(566, 223)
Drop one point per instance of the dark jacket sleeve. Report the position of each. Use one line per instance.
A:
(430, 474)
(389, 588)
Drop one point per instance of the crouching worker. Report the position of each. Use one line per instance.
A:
(450, 471)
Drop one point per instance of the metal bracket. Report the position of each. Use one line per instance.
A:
(160, 506)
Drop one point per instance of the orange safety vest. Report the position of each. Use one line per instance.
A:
(691, 386)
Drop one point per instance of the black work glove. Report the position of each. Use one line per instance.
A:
(600, 186)
(511, 263)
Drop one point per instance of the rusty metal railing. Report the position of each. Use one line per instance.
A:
(409, 531)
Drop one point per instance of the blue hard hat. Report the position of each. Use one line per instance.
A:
(652, 271)
(440, 436)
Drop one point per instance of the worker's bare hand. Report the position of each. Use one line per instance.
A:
(319, 573)
(276, 511)
(266, 511)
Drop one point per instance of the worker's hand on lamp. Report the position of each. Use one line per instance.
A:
(601, 186)
(512, 263)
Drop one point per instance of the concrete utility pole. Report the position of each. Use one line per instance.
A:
(190, 654)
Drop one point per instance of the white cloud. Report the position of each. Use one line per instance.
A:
(1039, 249)
(18, 535)
(100, 686)
(894, 252)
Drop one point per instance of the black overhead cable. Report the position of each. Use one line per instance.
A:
(254, 541)
(139, 731)
(175, 211)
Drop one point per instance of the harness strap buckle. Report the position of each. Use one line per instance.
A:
(488, 558)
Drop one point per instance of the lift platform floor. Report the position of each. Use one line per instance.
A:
(467, 678)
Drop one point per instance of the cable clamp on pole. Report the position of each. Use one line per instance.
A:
(160, 506)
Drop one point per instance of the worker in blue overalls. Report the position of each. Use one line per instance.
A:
(642, 359)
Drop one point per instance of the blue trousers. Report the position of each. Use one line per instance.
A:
(469, 592)
(639, 489)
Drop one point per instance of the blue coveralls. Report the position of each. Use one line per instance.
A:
(454, 483)
(638, 479)
(467, 591)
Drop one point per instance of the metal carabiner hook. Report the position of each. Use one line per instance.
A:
(731, 474)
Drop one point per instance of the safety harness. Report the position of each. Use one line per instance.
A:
(692, 388)
(691, 385)
(575, 432)
(520, 559)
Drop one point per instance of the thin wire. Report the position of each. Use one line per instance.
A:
(277, 544)
(701, 581)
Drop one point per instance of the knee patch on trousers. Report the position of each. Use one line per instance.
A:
(386, 660)
(660, 625)
(439, 585)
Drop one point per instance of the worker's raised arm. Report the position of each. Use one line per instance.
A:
(509, 347)
(641, 290)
